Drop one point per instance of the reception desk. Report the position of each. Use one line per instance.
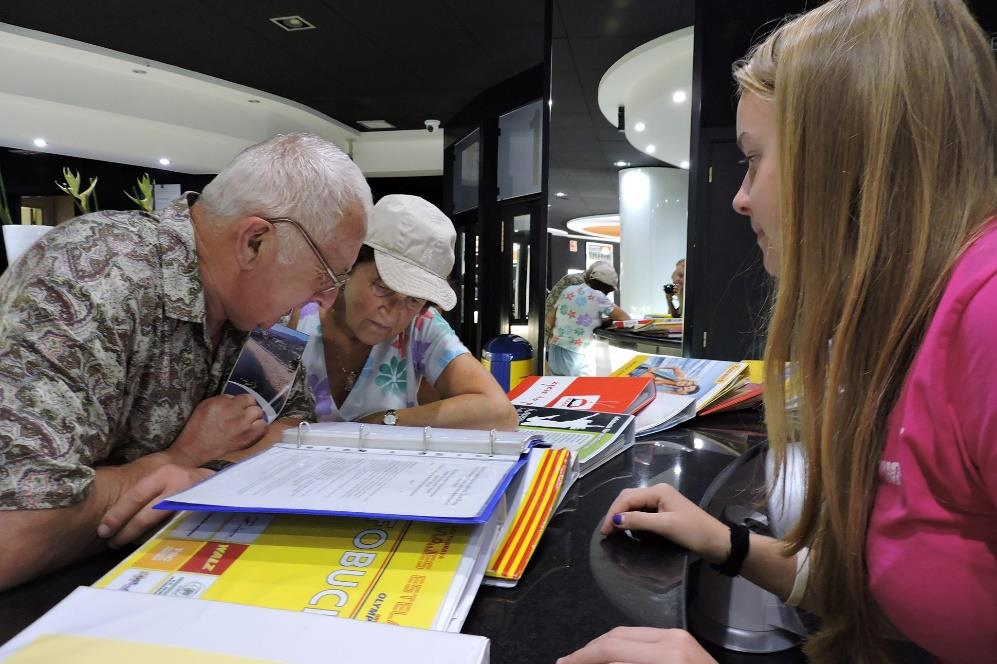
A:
(578, 584)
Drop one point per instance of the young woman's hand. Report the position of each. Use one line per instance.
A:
(663, 510)
(641, 645)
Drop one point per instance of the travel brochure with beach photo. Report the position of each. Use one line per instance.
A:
(684, 386)
(266, 368)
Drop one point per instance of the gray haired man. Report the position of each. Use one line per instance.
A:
(118, 328)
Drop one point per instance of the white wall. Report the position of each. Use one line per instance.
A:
(653, 218)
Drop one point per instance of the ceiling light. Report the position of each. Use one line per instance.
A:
(139, 71)
(253, 101)
(40, 142)
(375, 124)
(650, 149)
(640, 126)
(684, 164)
(678, 96)
(621, 164)
(163, 161)
(561, 194)
(292, 23)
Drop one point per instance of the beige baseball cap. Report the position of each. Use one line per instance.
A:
(413, 243)
(603, 272)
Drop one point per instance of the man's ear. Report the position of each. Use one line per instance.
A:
(254, 242)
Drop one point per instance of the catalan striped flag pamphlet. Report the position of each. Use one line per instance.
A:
(409, 573)
(533, 497)
(92, 626)
(369, 470)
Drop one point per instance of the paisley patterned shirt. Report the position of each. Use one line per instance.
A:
(103, 351)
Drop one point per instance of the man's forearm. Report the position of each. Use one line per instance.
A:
(37, 541)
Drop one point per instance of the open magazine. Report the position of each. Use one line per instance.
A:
(685, 386)
(266, 368)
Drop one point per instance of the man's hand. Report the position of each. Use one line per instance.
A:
(133, 513)
(218, 425)
(641, 645)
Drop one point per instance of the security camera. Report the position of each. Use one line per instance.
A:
(432, 125)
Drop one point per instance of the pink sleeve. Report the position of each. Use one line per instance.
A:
(972, 380)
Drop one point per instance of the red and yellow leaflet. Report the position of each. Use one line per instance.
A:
(518, 544)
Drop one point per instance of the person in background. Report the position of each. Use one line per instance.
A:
(384, 336)
(578, 311)
(118, 328)
(675, 291)
(862, 207)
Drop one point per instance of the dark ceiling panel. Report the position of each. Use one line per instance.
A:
(366, 59)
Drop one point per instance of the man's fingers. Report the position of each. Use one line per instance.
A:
(146, 518)
(133, 500)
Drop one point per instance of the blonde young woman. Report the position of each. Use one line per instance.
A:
(870, 133)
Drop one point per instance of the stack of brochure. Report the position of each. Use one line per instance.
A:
(685, 387)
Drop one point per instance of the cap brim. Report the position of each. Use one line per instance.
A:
(407, 279)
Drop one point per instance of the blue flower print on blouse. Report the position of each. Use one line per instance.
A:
(391, 376)
(419, 349)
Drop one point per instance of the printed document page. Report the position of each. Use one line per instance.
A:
(330, 481)
(111, 627)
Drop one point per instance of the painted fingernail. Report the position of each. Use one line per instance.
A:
(618, 519)
(103, 531)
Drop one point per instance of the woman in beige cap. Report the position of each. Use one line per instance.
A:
(383, 338)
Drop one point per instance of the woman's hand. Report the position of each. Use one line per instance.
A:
(641, 645)
(663, 510)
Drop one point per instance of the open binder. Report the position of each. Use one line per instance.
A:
(369, 470)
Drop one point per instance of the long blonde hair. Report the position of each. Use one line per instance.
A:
(887, 146)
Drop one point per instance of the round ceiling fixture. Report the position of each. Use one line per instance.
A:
(640, 126)
(163, 161)
(40, 142)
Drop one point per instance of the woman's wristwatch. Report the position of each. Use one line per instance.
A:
(390, 417)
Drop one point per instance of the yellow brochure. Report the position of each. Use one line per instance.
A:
(397, 572)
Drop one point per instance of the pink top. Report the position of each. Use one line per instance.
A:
(932, 544)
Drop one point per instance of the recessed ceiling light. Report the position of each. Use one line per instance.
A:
(375, 124)
(253, 101)
(561, 194)
(678, 96)
(139, 71)
(640, 126)
(650, 149)
(292, 23)
(163, 161)
(40, 142)
(684, 164)
(621, 164)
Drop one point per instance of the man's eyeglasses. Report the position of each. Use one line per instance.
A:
(338, 280)
(381, 290)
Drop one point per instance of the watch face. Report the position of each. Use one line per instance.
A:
(390, 417)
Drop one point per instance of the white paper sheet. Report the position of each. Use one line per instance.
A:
(311, 479)
(253, 633)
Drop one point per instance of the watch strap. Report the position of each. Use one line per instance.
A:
(216, 465)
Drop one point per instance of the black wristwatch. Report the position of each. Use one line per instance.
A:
(216, 464)
(390, 417)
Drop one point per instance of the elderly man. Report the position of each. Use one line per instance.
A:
(117, 329)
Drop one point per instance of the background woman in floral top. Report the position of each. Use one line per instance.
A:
(383, 335)
(579, 310)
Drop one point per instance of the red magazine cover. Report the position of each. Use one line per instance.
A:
(602, 394)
